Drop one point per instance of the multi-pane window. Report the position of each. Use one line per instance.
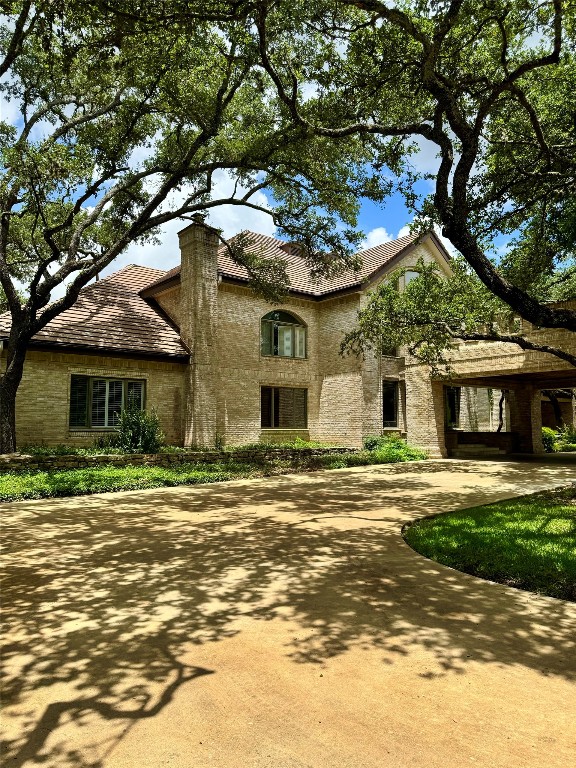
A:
(97, 402)
(282, 335)
(390, 403)
(283, 408)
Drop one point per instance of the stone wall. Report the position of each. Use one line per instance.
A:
(23, 463)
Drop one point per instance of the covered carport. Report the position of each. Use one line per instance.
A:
(496, 367)
(515, 422)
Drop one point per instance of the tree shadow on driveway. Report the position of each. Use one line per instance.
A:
(105, 595)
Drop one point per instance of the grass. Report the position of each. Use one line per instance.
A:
(76, 482)
(528, 543)
(40, 484)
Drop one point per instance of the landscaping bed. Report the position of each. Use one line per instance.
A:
(133, 472)
(528, 543)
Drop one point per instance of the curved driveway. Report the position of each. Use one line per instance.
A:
(281, 623)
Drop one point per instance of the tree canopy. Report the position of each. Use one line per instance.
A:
(128, 113)
(129, 110)
(493, 87)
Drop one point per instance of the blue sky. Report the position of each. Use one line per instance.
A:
(378, 222)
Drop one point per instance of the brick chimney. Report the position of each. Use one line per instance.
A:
(198, 307)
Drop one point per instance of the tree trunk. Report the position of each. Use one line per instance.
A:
(556, 407)
(501, 410)
(9, 383)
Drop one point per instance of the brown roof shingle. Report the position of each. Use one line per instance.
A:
(110, 316)
(372, 260)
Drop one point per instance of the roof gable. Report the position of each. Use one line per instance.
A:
(374, 261)
(110, 316)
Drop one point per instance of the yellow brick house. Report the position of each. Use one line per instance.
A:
(218, 363)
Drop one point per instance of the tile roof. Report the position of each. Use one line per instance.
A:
(110, 315)
(372, 260)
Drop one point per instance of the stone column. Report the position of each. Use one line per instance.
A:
(526, 418)
(199, 287)
(425, 411)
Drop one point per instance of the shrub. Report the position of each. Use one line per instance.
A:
(373, 442)
(107, 443)
(566, 438)
(568, 433)
(548, 439)
(48, 450)
(139, 431)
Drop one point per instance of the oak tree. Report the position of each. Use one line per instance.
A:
(129, 113)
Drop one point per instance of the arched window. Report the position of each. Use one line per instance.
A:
(282, 335)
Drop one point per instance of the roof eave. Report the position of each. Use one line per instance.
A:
(84, 349)
(381, 271)
(152, 290)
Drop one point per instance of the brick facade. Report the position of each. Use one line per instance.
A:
(216, 396)
(344, 393)
(43, 400)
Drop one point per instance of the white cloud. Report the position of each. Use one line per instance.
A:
(9, 111)
(375, 237)
(165, 252)
(231, 219)
(380, 235)
(445, 242)
(426, 159)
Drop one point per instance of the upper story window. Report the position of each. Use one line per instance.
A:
(410, 275)
(282, 335)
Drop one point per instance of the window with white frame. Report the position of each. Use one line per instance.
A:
(96, 402)
(282, 335)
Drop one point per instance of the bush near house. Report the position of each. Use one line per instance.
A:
(566, 440)
(548, 439)
(562, 440)
(139, 431)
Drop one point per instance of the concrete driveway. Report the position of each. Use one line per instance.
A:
(281, 623)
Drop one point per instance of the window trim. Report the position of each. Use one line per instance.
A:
(88, 427)
(272, 412)
(277, 324)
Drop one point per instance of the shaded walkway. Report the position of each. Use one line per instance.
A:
(279, 622)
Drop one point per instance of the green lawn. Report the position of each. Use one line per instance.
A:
(76, 482)
(40, 484)
(529, 543)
